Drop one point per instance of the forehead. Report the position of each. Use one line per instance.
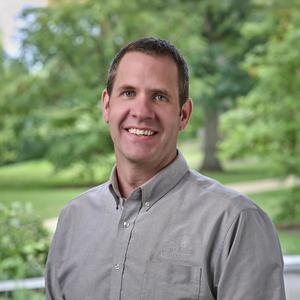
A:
(148, 67)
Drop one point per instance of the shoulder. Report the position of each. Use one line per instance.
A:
(213, 193)
(92, 196)
(80, 213)
(217, 204)
(92, 201)
(228, 213)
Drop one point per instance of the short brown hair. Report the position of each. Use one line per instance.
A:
(154, 46)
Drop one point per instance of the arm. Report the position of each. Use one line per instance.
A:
(52, 287)
(57, 252)
(250, 265)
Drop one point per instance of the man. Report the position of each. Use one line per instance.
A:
(157, 230)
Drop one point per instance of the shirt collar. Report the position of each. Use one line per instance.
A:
(157, 186)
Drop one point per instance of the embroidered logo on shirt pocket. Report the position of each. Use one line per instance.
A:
(171, 281)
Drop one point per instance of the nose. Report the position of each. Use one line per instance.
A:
(142, 108)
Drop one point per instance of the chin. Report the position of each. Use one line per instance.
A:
(140, 156)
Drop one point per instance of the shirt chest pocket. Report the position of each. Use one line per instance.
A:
(171, 281)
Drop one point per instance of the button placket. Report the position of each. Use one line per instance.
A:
(129, 213)
(126, 224)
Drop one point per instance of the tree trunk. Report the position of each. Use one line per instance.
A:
(211, 124)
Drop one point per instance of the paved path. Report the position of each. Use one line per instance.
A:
(264, 185)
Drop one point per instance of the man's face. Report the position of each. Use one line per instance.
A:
(143, 110)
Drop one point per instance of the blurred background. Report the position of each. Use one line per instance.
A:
(244, 63)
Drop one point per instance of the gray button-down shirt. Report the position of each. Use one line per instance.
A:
(180, 236)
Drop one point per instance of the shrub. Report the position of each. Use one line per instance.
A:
(289, 214)
(24, 242)
(23, 295)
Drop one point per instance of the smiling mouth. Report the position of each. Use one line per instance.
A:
(141, 132)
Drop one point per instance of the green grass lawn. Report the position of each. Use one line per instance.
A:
(41, 174)
(46, 202)
(37, 183)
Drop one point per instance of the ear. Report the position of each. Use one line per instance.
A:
(105, 105)
(185, 114)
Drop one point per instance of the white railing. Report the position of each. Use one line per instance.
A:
(31, 284)
(291, 264)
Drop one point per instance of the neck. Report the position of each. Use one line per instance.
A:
(129, 180)
(130, 175)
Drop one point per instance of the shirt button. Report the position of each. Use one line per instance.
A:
(147, 204)
(117, 267)
(126, 224)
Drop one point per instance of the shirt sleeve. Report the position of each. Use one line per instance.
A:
(57, 252)
(250, 263)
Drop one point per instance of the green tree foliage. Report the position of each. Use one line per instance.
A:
(218, 67)
(12, 72)
(67, 47)
(53, 108)
(267, 120)
(67, 51)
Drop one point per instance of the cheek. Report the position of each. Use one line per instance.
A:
(172, 121)
(117, 115)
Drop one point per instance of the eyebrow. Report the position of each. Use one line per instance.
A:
(126, 87)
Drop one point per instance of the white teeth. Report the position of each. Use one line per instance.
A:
(141, 131)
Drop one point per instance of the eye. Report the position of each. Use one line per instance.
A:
(128, 93)
(160, 98)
